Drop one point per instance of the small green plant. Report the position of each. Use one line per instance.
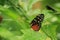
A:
(16, 18)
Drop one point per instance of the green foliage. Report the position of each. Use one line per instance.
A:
(18, 15)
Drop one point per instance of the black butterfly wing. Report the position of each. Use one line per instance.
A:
(36, 22)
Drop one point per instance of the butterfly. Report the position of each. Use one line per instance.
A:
(36, 22)
(1, 19)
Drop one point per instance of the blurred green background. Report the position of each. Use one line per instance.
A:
(18, 14)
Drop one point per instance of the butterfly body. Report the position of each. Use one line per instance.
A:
(36, 22)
